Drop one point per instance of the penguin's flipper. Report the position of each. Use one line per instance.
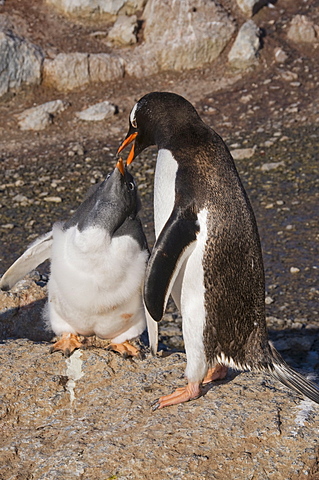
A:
(173, 246)
(38, 252)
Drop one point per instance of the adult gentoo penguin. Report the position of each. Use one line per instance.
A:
(207, 251)
(98, 260)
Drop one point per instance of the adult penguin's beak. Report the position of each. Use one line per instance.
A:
(124, 144)
(120, 166)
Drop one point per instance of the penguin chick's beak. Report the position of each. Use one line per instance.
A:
(120, 166)
(126, 142)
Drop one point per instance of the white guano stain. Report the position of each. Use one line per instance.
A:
(305, 408)
(73, 372)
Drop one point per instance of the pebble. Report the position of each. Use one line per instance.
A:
(97, 112)
(294, 270)
(280, 55)
(266, 167)
(8, 226)
(268, 143)
(20, 199)
(53, 199)
(242, 153)
(269, 300)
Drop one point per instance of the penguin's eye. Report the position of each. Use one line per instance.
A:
(134, 123)
(108, 176)
(131, 186)
(133, 116)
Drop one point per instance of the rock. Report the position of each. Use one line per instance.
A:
(7, 226)
(251, 7)
(280, 55)
(93, 411)
(53, 199)
(294, 270)
(20, 199)
(269, 300)
(97, 112)
(21, 310)
(303, 30)
(244, 51)
(267, 167)
(296, 343)
(20, 61)
(124, 30)
(97, 8)
(179, 37)
(38, 118)
(67, 71)
(141, 61)
(242, 153)
(105, 68)
(73, 70)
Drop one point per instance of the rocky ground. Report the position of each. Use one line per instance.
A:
(90, 416)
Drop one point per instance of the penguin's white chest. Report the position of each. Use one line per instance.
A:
(94, 288)
(164, 188)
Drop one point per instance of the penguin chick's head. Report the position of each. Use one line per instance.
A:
(118, 192)
(157, 118)
(111, 203)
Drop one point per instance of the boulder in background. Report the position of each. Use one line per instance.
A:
(20, 61)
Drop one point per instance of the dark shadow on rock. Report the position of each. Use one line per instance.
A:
(262, 3)
(25, 322)
(298, 347)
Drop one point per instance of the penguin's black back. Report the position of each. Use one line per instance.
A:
(233, 266)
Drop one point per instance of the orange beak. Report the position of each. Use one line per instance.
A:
(126, 142)
(120, 166)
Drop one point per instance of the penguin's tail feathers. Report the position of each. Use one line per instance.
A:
(292, 379)
(37, 253)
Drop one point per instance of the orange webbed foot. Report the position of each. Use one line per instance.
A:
(125, 349)
(67, 344)
(181, 395)
(218, 372)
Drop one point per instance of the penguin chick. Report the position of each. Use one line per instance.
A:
(98, 260)
(207, 252)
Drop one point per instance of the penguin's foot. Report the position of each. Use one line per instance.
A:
(183, 394)
(218, 372)
(67, 344)
(125, 349)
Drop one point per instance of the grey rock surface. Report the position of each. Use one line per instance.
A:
(90, 417)
(20, 62)
(99, 111)
(98, 8)
(243, 53)
(69, 71)
(124, 30)
(38, 118)
(250, 7)
(104, 67)
(303, 30)
(183, 36)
